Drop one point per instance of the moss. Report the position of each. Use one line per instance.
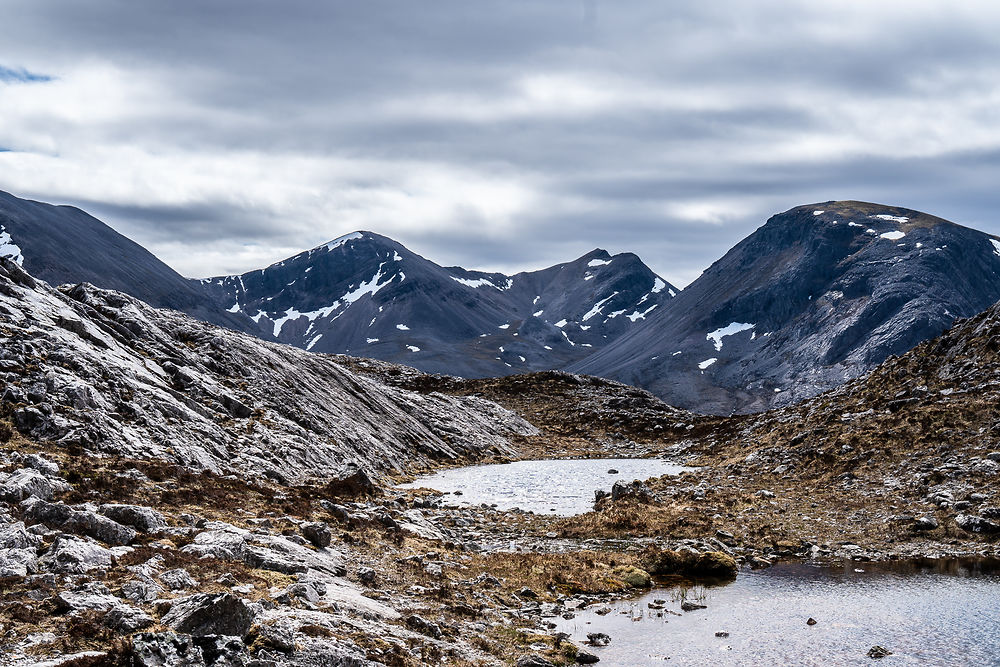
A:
(633, 576)
(713, 564)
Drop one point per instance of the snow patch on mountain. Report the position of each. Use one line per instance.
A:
(728, 330)
(8, 248)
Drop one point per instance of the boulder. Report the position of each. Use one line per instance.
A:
(210, 614)
(99, 527)
(423, 626)
(17, 562)
(585, 658)
(177, 579)
(143, 519)
(73, 555)
(29, 483)
(534, 660)
(164, 649)
(351, 482)
(41, 464)
(318, 534)
(976, 524)
(633, 576)
(139, 590)
(16, 536)
(924, 523)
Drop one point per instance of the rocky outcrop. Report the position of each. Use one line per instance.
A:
(99, 370)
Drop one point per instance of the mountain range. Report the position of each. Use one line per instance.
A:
(818, 295)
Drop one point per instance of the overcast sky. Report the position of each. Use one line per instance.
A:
(510, 135)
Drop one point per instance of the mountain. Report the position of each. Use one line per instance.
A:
(101, 371)
(367, 295)
(62, 244)
(818, 295)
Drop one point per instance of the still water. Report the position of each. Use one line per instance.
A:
(561, 487)
(944, 612)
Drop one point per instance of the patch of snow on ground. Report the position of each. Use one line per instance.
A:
(561, 323)
(708, 362)
(675, 353)
(371, 340)
(893, 236)
(538, 314)
(396, 257)
(502, 326)
(728, 330)
(891, 218)
(480, 282)
(337, 242)
(658, 286)
(854, 224)
(641, 316)
(996, 247)
(598, 262)
(313, 342)
(402, 327)
(818, 212)
(597, 307)
(412, 348)
(370, 287)
(589, 276)
(234, 309)
(10, 249)
(613, 315)
(568, 340)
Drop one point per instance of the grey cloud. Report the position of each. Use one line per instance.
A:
(703, 99)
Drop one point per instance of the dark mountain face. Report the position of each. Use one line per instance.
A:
(818, 295)
(62, 244)
(366, 295)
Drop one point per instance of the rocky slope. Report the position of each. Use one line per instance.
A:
(62, 244)
(819, 295)
(366, 295)
(99, 370)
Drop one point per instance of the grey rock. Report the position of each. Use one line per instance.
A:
(318, 533)
(423, 626)
(223, 651)
(585, 658)
(139, 590)
(924, 523)
(41, 464)
(27, 483)
(99, 527)
(143, 519)
(165, 649)
(177, 579)
(335, 416)
(598, 639)
(73, 555)
(267, 552)
(16, 562)
(16, 536)
(534, 660)
(210, 614)
(975, 524)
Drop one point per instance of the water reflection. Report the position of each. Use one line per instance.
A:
(561, 487)
(928, 612)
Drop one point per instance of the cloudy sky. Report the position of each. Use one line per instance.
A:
(504, 135)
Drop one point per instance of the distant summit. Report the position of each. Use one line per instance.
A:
(820, 294)
(367, 295)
